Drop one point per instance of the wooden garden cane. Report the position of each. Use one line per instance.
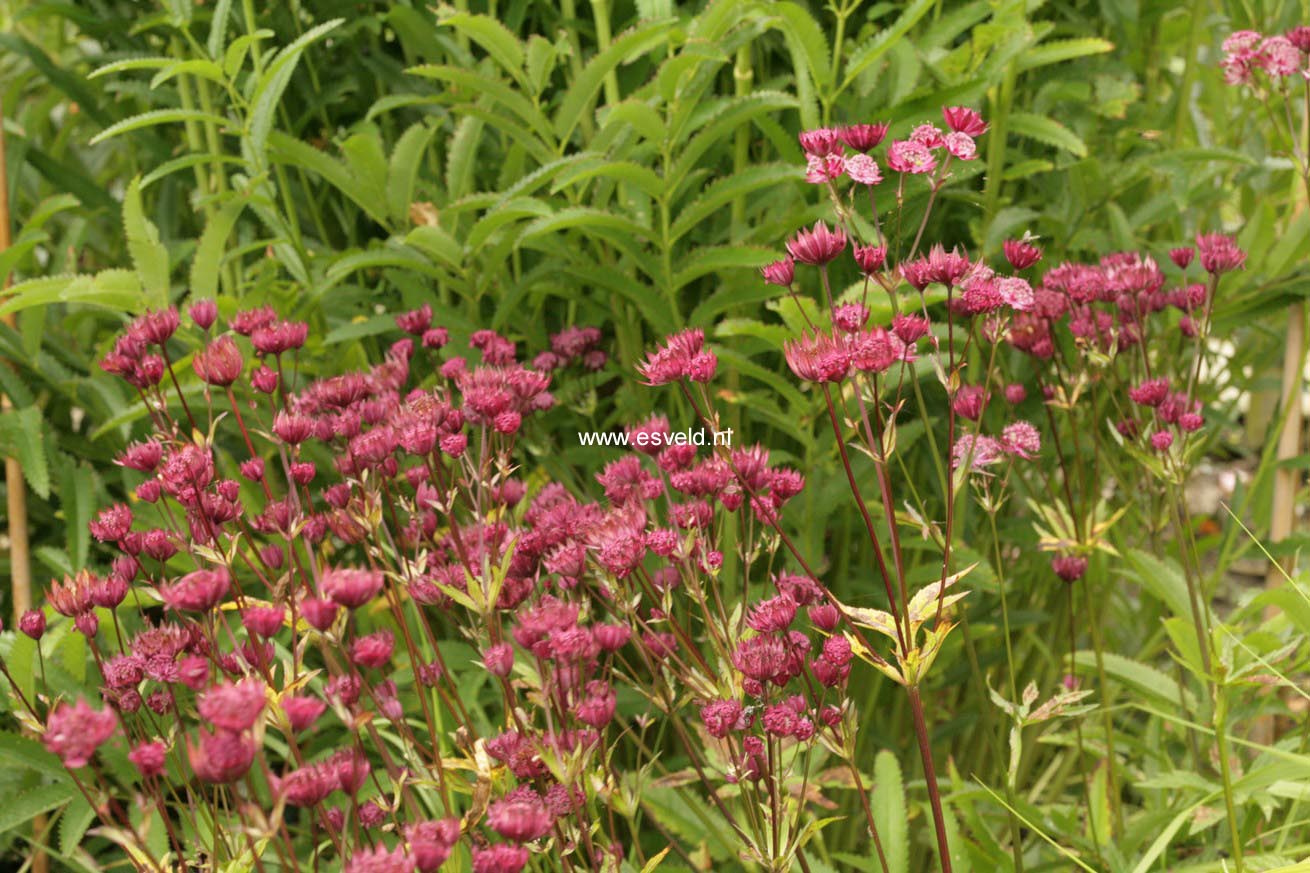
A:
(20, 561)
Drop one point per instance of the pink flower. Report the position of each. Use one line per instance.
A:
(928, 135)
(220, 758)
(430, 842)
(1015, 394)
(199, 591)
(772, 615)
(819, 170)
(683, 355)
(863, 169)
(1182, 256)
(1021, 439)
(1021, 253)
(219, 363)
(818, 357)
(1070, 568)
(350, 587)
(1161, 440)
(373, 650)
(32, 624)
(1150, 393)
(863, 137)
(233, 706)
(961, 145)
(74, 732)
(1219, 253)
(502, 858)
(596, 709)
(416, 321)
(910, 328)
(962, 119)
(379, 859)
(820, 142)
(1016, 293)
(148, 757)
(302, 711)
(870, 259)
(817, 246)
(910, 156)
(520, 817)
(499, 659)
(970, 401)
(979, 452)
(781, 273)
(1241, 40)
(1279, 57)
(204, 313)
(722, 717)
(308, 786)
(850, 317)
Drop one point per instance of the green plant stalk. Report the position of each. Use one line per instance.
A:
(996, 145)
(1197, 13)
(1107, 714)
(600, 10)
(1221, 738)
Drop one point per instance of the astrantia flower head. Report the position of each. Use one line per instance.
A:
(233, 706)
(850, 317)
(870, 259)
(820, 142)
(818, 357)
(75, 731)
(1021, 253)
(1182, 256)
(350, 587)
(863, 169)
(199, 591)
(722, 717)
(379, 859)
(818, 245)
(961, 145)
(502, 858)
(819, 170)
(863, 137)
(781, 273)
(962, 119)
(1279, 57)
(1070, 568)
(979, 452)
(1219, 253)
(909, 156)
(1021, 439)
(219, 363)
(683, 356)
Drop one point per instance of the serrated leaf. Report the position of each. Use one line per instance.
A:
(1062, 50)
(149, 255)
(583, 89)
(889, 811)
(1047, 131)
(403, 168)
(1139, 677)
(19, 810)
(870, 51)
(208, 258)
(74, 824)
(22, 436)
(156, 117)
(268, 92)
(114, 289)
(370, 198)
(730, 188)
(494, 37)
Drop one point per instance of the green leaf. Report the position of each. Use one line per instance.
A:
(76, 487)
(218, 28)
(583, 217)
(149, 255)
(208, 258)
(1062, 50)
(114, 289)
(370, 198)
(728, 189)
(74, 824)
(436, 243)
(1047, 131)
(156, 117)
(1137, 676)
(273, 82)
(873, 49)
(22, 436)
(1163, 579)
(23, 753)
(584, 88)
(19, 810)
(402, 171)
(495, 38)
(889, 813)
(807, 40)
